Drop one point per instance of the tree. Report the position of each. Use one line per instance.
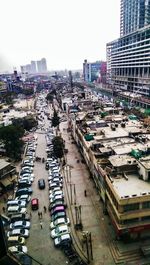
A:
(55, 119)
(11, 137)
(58, 146)
(49, 97)
(26, 123)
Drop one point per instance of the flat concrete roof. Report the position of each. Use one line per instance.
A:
(127, 148)
(122, 160)
(132, 187)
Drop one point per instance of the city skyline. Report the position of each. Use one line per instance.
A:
(64, 32)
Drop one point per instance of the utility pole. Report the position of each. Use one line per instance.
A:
(87, 239)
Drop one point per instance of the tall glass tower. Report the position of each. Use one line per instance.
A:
(134, 14)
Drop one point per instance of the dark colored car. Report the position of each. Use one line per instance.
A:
(58, 215)
(20, 192)
(47, 166)
(25, 260)
(19, 217)
(23, 184)
(41, 184)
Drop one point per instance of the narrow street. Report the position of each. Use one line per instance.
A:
(40, 244)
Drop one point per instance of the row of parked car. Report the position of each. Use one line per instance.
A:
(59, 225)
(19, 227)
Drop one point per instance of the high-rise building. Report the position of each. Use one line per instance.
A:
(134, 14)
(92, 71)
(33, 67)
(42, 66)
(128, 58)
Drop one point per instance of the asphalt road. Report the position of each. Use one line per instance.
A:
(40, 245)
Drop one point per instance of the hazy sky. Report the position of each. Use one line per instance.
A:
(65, 32)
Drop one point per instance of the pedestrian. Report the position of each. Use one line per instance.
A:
(45, 209)
(39, 214)
(41, 225)
(3, 209)
(85, 193)
(30, 215)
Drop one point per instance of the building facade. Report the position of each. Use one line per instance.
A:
(134, 14)
(94, 72)
(42, 66)
(128, 58)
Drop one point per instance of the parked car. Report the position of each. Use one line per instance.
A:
(20, 192)
(57, 198)
(57, 203)
(25, 260)
(59, 192)
(59, 230)
(59, 221)
(24, 168)
(63, 240)
(55, 189)
(24, 183)
(15, 210)
(18, 232)
(18, 249)
(41, 184)
(28, 179)
(16, 203)
(58, 215)
(15, 240)
(19, 217)
(25, 197)
(57, 209)
(20, 224)
(54, 185)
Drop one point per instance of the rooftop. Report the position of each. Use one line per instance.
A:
(122, 160)
(132, 187)
(3, 164)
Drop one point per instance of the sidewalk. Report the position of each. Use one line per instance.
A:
(91, 211)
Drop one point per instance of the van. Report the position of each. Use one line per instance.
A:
(15, 240)
(35, 204)
(19, 217)
(15, 210)
(16, 203)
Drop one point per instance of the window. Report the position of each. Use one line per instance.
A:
(146, 205)
(131, 207)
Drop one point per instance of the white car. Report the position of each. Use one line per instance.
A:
(53, 185)
(18, 249)
(24, 197)
(63, 240)
(54, 179)
(30, 175)
(56, 193)
(28, 179)
(27, 168)
(18, 232)
(59, 221)
(54, 190)
(59, 230)
(20, 224)
(57, 198)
